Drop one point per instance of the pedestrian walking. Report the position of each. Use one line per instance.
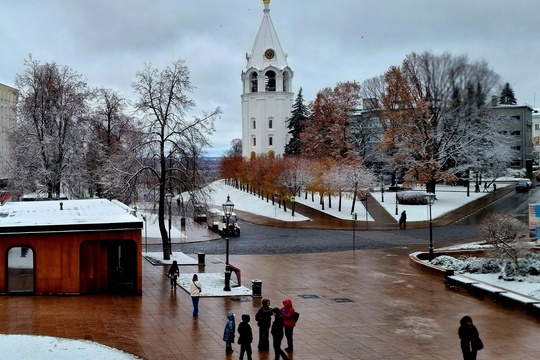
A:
(228, 333)
(485, 186)
(264, 321)
(470, 339)
(477, 187)
(403, 221)
(195, 289)
(289, 322)
(173, 274)
(245, 337)
(277, 335)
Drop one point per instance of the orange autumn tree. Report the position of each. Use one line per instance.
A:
(410, 137)
(327, 132)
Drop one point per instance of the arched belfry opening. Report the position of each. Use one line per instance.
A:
(270, 80)
(254, 79)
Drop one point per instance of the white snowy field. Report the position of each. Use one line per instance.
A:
(31, 347)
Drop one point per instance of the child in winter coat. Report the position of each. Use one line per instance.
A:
(245, 337)
(289, 321)
(228, 334)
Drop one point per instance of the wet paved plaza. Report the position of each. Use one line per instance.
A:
(366, 304)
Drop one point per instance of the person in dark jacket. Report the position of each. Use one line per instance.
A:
(264, 320)
(173, 273)
(228, 333)
(403, 221)
(289, 321)
(277, 334)
(468, 334)
(245, 337)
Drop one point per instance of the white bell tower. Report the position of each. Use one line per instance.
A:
(267, 96)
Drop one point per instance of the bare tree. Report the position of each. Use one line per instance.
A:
(108, 153)
(48, 138)
(170, 136)
(507, 236)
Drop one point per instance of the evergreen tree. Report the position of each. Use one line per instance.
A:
(507, 95)
(296, 125)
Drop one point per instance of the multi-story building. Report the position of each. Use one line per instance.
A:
(521, 117)
(8, 101)
(267, 96)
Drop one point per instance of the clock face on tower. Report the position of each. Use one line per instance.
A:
(269, 54)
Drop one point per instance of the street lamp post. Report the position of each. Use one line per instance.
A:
(430, 199)
(228, 208)
(396, 204)
(168, 198)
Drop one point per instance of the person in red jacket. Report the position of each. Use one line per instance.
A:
(289, 321)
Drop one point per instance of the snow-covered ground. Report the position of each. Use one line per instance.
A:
(448, 199)
(31, 347)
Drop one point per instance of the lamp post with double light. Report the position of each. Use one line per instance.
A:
(430, 199)
(168, 199)
(228, 208)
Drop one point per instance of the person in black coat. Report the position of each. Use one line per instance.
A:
(468, 334)
(277, 334)
(173, 274)
(245, 337)
(264, 321)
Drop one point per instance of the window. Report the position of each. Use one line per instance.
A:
(254, 87)
(285, 80)
(515, 163)
(270, 124)
(254, 141)
(516, 147)
(270, 81)
(270, 141)
(536, 127)
(254, 124)
(516, 133)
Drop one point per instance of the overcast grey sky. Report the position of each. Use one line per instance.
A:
(107, 42)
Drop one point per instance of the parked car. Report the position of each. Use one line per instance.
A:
(523, 185)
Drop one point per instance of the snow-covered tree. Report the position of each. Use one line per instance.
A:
(434, 131)
(296, 125)
(294, 176)
(507, 95)
(50, 130)
(171, 138)
(108, 149)
(327, 133)
(508, 237)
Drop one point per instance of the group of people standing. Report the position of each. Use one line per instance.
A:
(282, 326)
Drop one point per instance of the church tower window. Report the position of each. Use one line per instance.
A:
(254, 82)
(254, 124)
(270, 125)
(270, 81)
(270, 141)
(254, 141)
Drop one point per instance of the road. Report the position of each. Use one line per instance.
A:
(258, 239)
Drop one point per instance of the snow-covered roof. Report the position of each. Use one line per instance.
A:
(66, 215)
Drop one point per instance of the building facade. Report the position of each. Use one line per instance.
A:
(267, 96)
(521, 132)
(8, 101)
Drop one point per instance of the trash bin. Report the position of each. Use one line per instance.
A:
(256, 286)
(201, 259)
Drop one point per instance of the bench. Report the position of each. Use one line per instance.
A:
(460, 281)
(238, 274)
(510, 298)
(482, 289)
